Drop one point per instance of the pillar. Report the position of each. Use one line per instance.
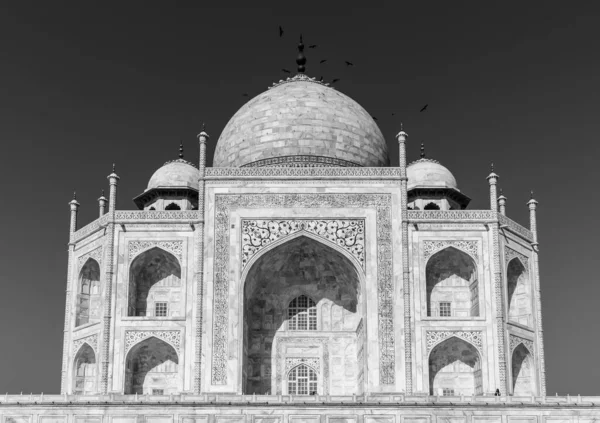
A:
(109, 281)
(498, 287)
(74, 206)
(502, 203)
(402, 136)
(102, 204)
(532, 204)
(202, 139)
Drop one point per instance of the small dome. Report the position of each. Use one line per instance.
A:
(175, 174)
(301, 122)
(427, 173)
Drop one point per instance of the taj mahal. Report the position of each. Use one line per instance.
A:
(301, 279)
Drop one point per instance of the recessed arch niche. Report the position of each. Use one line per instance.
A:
(88, 293)
(85, 371)
(519, 293)
(523, 372)
(455, 368)
(452, 284)
(152, 367)
(301, 266)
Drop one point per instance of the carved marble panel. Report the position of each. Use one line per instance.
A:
(172, 337)
(348, 234)
(510, 254)
(174, 247)
(95, 254)
(432, 247)
(515, 340)
(473, 337)
(91, 340)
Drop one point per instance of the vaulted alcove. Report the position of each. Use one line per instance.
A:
(85, 371)
(519, 293)
(523, 372)
(88, 295)
(455, 368)
(152, 367)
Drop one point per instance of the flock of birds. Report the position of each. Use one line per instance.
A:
(334, 80)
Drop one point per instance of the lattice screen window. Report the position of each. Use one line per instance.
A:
(445, 309)
(158, 392)
(448, 392)
(302, 380)
(302, 314)
(160, 310)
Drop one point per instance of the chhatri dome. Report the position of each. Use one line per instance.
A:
(301, 122)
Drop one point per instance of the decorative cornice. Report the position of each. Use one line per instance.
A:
(416, 216)
(303, 172)
(302, 161)
(515, 228)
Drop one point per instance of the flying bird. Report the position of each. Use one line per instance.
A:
(349, 63)
(424, 107)
(335, 80)
(323, 61)
(280, 32)
(313, 46)
(245, 95)
(374, 118)
(286, 71)
(393, 114)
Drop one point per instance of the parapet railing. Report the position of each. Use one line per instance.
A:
(356, 400)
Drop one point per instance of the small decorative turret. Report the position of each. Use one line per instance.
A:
(502, 203)
(202, 138)
(113, 180)
(301, 59)
(401, 137)
(493, 180)
(74, 205)
(102, 204)
(532, 203)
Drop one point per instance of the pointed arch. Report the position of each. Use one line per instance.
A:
(152, 367)
(455, 368)
(431, 206)
(452, 284)
(518, 293)
(88, 293)
(302, 380)
(154, 284)
(85, 370)
(523, 371)
(173, 206)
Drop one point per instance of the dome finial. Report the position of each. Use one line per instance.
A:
(75, 195)
(181, 149)
(113, 171)
(301, 59)
(422, 150)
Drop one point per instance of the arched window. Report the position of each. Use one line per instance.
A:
(173, 206)
(519, 300)
(523, 372)
(431, 206)
(85, 371)
(302, 314)
(302, 380)
(88, 297)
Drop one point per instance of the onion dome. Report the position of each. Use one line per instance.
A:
(301, 122)
(174, 186)
(432, 186)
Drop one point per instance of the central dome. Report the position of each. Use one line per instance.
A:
(301, 122)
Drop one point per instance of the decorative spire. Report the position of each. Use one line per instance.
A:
(301, 59)
(401, 126)
(422, 150)
(531, 195)
(181, 149)
(113, 171)
(492, 167)
(75, 195)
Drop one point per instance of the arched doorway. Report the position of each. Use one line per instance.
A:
(152, 367)
(302, 296)
(88, 293)
(85, 371)
(455, 369)
(519, 293)
(523, 372)
(452, 285)
(155, 285)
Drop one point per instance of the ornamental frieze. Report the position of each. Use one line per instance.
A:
(91, 340)
(95, 254)
(172, 337)
(313, 363)
(469, 247)
(515, 341)
(174, 247)
(348, 234)
(224, 203)
(510, 254)
(473, 337)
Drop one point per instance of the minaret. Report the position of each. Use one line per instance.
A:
(102, 204)
(202, 139)
(74, 207)
(402, 136)
(109, 246)
(498, 286)
(502, 203)
(532, 203)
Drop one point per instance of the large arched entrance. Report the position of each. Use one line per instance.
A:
(302, 304)
(455, 369)
(152, 367)
(452, 286)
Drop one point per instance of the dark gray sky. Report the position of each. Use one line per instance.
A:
(82, 87)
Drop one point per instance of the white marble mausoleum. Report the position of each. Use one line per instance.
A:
(301, 279)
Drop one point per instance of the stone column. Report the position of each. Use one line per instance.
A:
(498, 286)
(113, 180)
(102, 204)
(402, 136)
(74, 206)
(502, 203)
(199, 276)
(538, 297)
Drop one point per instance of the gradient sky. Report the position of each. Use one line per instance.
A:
(82, 87)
